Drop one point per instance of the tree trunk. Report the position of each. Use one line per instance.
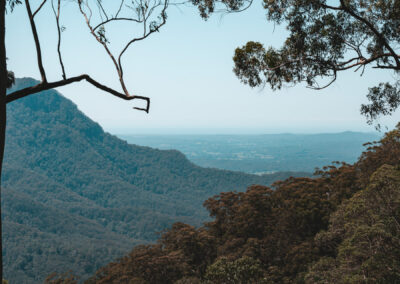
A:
(3, 114)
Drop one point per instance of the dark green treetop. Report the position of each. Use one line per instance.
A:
(325, 37)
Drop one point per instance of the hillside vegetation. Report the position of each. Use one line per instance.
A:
(341, 227)
(76, 197)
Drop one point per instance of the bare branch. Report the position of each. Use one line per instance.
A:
(155, 29)
(36, 39)
(40, 7)
(116, 19)
(143, 11)
(47, 86)
(102, 9)
(120, 8)
(348, 61)
(362, 61)
(102, 42)
(57, 15)
(334, 77)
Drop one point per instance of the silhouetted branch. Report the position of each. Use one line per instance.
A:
(102, 9)
(36, 39)
(47, 86)
(145, 34)
(38, 9)
(142, 9)
(101, 38)
(57, 15)
(120, 8)
(115, 19)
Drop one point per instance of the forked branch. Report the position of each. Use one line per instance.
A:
(142, 12)
(100, 37)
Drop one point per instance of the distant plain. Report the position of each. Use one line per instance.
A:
(258, 154)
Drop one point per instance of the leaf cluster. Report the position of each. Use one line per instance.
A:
(325, 38)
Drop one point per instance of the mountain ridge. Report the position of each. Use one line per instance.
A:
(83, 197)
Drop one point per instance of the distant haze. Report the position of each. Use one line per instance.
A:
(260, 154)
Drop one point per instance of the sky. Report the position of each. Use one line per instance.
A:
(186, 70)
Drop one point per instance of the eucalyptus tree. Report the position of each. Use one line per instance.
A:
(325, 38)
(147, 17)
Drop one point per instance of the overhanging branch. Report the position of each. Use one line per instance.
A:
(47, 86)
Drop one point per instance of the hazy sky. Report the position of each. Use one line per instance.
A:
(186, 69)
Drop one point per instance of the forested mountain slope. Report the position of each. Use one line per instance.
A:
(78, 197)
(342, 226)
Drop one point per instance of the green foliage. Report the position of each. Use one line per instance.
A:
(72, 207)
(364, 234)
(244, 270)
(325, 38)
(10, 79)
(385, 99)
(78, 198)
(340, 227)
(13, 3)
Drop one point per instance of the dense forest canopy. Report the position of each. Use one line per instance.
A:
(78, 197)
(340, 227)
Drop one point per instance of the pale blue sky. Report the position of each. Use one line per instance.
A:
(186, 69)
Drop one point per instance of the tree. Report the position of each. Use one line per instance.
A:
(241, 271)
(149, 14)
(325, 37)
(363, 236)
(341, 226)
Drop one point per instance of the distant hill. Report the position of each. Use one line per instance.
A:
(262, 153)
(76, 197)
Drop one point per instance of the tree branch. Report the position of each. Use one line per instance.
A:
(36, 39)
(103, 43)
(362, 61)
(47, 86)
(102, 9)
(374, 30)
(331, 7)
(392, 67)
(143, 12)
(57, 15)
(120, 8)
(115, 19)
(38, 9)
(164, 19)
